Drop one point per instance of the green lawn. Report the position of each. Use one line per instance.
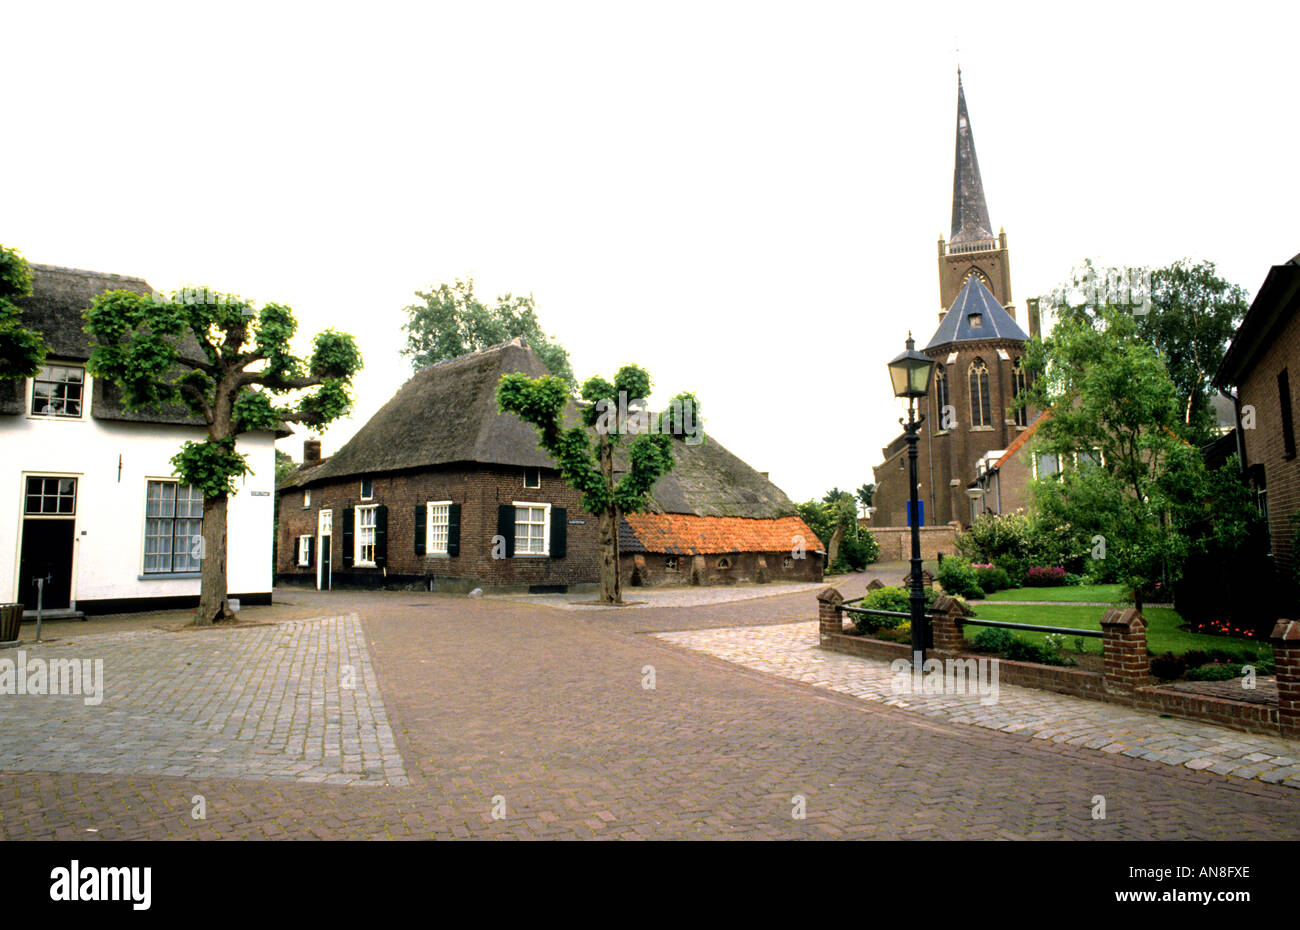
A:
(1163, 633)
(1103, 593)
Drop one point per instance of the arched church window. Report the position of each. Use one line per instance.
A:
(1019, 384)
(981, 406)
(941, 392)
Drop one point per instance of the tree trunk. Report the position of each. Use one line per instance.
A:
(833, 547)
(213, 604)
(611, 585)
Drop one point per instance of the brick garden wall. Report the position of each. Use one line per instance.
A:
(896, 541)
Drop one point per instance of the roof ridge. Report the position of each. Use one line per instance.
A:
(38, 266)
(516, 341)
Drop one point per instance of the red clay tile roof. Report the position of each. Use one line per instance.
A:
(1023, 437)
(683, 534)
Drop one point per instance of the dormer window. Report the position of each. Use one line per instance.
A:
(57, 391)
(976, 320)
(367, 489)
(532, 477)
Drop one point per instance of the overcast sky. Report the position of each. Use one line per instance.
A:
(743, 198)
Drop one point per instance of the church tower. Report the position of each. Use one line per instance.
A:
(973, 250)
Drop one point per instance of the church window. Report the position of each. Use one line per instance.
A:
(981, 412)
(941, 393)
(1019, 384)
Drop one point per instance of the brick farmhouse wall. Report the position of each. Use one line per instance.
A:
(479, 489)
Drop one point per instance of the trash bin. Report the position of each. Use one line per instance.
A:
(11, 619)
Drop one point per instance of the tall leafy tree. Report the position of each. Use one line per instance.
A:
(22, 351)
(452, 321)
(231, 365)
(1186, 311)
(611, 413)
(1112, 403)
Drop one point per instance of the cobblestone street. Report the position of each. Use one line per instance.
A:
(546, 719)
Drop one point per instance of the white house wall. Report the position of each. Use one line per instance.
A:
(108, 549)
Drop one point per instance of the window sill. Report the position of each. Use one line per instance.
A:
(167, 576)
(437, 555)
(531, 555)
(364, 565)
(981, 429)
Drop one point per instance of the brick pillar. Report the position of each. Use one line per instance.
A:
(829, 615)
(946, 619)
(1286, 651)
(1124, 649)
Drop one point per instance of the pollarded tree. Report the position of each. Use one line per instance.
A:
(229, 364)
(613, 412)
(22, 351)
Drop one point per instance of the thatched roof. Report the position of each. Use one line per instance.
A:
(60, 297)
(447, 414)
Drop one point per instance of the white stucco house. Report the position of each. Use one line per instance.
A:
(88, 498)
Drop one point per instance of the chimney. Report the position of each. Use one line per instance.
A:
(1031, 305)
(310, 451)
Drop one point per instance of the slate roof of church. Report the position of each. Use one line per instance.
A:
(970, 213)
(976, 301)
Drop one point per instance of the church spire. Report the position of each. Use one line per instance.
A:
(970, 214)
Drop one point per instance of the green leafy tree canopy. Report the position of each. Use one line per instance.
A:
(452, 321)
(22, 351)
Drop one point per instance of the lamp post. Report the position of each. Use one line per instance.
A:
(910, 374)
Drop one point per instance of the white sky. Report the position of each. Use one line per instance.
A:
(743, 198)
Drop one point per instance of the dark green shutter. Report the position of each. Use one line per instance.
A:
(347, 537)
(421, 512)
(381, 536)
(310, 546)
(506, 527)
(559, 531)
(296, 543)
(453, 529)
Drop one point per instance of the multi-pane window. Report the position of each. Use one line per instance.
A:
(530, 528)
(1019, 384)
(941, 394)
(365, 536)
(304, 551)
(439, 520)
(57, 391)
(173, 527)
(1046, 465)
(981, 407)
(51, 497)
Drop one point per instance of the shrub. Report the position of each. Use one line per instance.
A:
(894, 598)
(992, 639)
(959, 579)
(1043, 576)
(991, 578)
(1215, 671)
(1168, 666)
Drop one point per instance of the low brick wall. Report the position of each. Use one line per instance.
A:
(1126, 679)
(1239, 715)
(896, 541)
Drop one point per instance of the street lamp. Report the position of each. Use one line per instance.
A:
(910, 373)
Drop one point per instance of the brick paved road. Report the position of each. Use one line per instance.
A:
(545, 710)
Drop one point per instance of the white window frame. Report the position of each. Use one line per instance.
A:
(306, 499)
(53, 417)
(145, 571)
(361, 491)
(430, 548)
(303, 543)
(533, 487)
(546, 528)
(357, 538)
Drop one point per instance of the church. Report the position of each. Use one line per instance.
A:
(978, 346)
